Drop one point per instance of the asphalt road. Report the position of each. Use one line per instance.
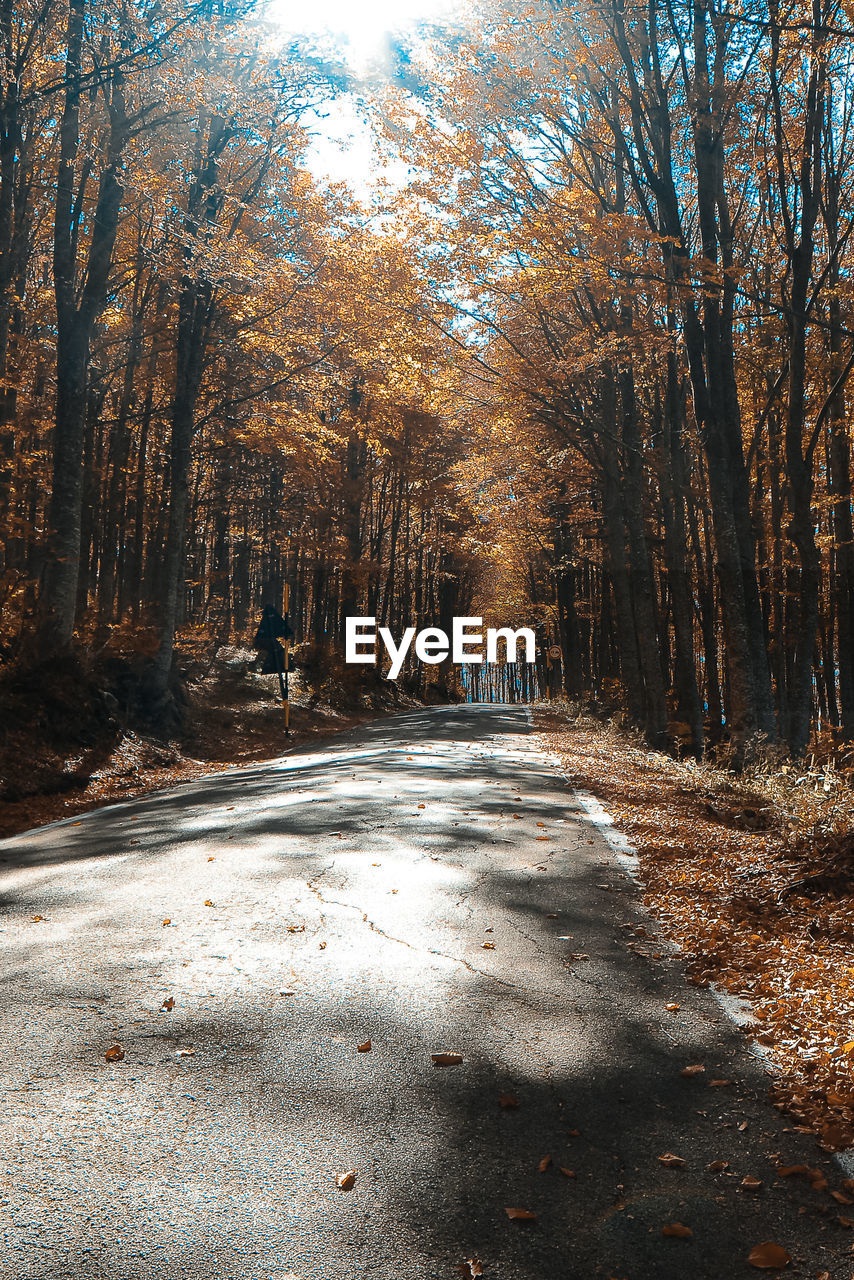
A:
(427, 883)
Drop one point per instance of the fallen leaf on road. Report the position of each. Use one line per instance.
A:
(749, 1183)
(520, 1215)
(446, 1059)
(567, 1173)
(768, 1257)
(322, 946)
(211, 859)
(677, 1229)
(541, 824)
(470, 1269)
(115, 1053)
(166, 921)
(552, 915)
(717, 1166)
(168, 1005)
(488, 946)
(823, 1275)
(346, 1180)
(515, 815)
(719, 1084)
(287, 993)
(544, 1164)
(296, 928)
(670, 1161)
(672, 1007)
(422, 806)
(696, 1070)
(364, 1048)
(841, 1198)
(208, 902)
(743, 1126)
(848, 1185)
(542, 837)
(787, 1170)
(185, 1053)
(508, 1101)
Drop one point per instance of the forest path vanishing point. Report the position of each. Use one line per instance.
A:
(427, 884)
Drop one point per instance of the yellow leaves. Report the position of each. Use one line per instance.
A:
(208, 902)
(768, 1256)
(488, 946)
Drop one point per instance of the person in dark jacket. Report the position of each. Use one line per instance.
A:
(271, 629)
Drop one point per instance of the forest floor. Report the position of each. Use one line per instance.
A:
(753, 880)
(234, 717)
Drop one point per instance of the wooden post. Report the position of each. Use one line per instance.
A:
(286, 645)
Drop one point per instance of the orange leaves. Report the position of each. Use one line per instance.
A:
(470, 1269)
(520, 1215)
(544, 1164)
(346, 1181)
(365, 1047)
(768, 1257)
(678, 1230)
(446, 1059)
(115, 1053)
(785, 953)
(168, 1005)
(670, 1161)
(696, 1070)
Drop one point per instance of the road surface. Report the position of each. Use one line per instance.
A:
(426, 883)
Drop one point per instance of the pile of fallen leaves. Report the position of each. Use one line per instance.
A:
(753, 878)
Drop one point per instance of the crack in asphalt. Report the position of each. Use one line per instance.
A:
(432, 951)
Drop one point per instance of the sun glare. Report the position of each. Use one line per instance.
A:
(363, 28)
